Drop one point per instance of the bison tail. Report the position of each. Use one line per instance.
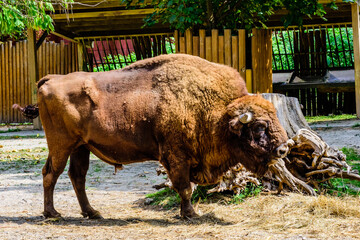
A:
(29, 111)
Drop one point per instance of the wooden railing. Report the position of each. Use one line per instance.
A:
(53, 58)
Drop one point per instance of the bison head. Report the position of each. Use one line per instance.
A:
(257, 133)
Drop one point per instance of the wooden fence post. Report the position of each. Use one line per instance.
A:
(33, 71)
(261, 48)
(356, 42)
(80, 55)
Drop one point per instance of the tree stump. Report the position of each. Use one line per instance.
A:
(288, 111)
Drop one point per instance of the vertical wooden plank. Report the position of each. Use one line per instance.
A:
(235, 53)
(208, 45)
(221, 49)
(249, 85)
(62, 57)
(176, 36)
(214, 45)
(40, 62)
(8, 79)
(195, 46)
(182, 45)
(2, 82)
(69, 57)
(81, 56)
(13, 82)
(33, 71)
(58, 58)
(10, 82)
(76, 57)
(189, 41)
(202, 45)
(73, 57)
(54, 60)
(242, 54)
(21, 76)
(356, 43)
(51, 59)
(26, 74)
(262, 60)
(227, 46)
(18, 89)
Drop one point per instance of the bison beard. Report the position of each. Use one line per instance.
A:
(194, 116)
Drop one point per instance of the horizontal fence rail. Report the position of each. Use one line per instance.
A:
(115, 52)
(53, 58)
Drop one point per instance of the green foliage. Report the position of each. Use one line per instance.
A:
(166, 198)
(17, 15)
(231, 14)
(251, 190)
(341, 187)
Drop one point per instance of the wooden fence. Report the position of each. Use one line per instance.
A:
(229, 48)
(226, 49)
(53, 58)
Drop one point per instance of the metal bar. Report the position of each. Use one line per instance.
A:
(343, 47)
(122, 49)
(278, 47)
(336, 46)
(102, 63)
(88, 65)
(291, 47)
(106, 58)
(93, 53)
(117, 54)
(283, 40)
(331, 57)
(349, 44)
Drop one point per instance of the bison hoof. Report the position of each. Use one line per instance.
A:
(92, 215)
(53, 214)
(189, 215)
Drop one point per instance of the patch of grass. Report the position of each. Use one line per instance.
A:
(22, 159)
(356, 125)
(166, 198)
(251, 190)
(313, 119)
(343, 187)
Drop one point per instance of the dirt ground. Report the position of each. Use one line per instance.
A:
(121, 200)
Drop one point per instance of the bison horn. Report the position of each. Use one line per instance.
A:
(246, 117)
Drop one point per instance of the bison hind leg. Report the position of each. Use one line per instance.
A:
(79, 165)
(53, 168)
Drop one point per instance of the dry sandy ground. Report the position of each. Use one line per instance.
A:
(120, 199)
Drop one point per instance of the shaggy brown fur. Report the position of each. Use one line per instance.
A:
(174, 108)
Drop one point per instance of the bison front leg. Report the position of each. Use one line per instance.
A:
(79, 165)
(179, 174)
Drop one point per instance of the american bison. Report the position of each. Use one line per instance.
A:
(194, 116)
